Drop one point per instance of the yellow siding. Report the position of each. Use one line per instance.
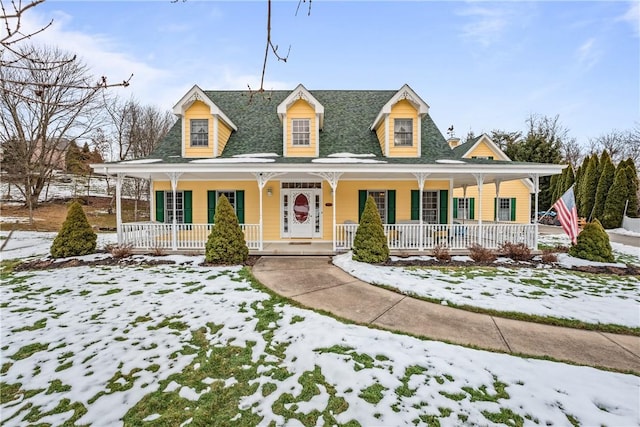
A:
(347, 196)
(301, 110)
(482, 150)
(508, 189)
(198, 110)
(403, 110)
(346, 201)
(224, 132)
(380, 132)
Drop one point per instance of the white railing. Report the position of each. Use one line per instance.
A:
(413, 236)
(151, 235)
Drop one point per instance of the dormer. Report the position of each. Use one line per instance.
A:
(398, 125)
(485, 149)
(205, 127)
(302, 118)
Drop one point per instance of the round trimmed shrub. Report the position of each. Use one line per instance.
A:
(226, 244)
(370, 243)
(593, 244)
(76, 237)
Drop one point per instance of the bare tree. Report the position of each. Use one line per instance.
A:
(134, 132)
(572, 151)
(621, 145)
(16, 57)
(34, 134)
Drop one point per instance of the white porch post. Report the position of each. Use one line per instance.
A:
(536, 189)
(479, 181)
(262, 178)
(332, 178)
(497, 200)
(152, 199)
(174, 224)
(119, 179)
(421, 177)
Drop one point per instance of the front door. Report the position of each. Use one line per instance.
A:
(302, 212)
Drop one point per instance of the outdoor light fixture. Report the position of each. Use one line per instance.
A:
(269, 192)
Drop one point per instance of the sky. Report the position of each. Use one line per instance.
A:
(479, 65)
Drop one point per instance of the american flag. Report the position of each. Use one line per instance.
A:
(568, 214)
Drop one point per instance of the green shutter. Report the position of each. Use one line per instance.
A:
(455, 207)
(472, 208)
(240, 206)
(444, 205)
(415, 205)
(362, 199)
(391, 206)
(187, 203)
(513, 209)
(495, 209)
(211, 206)
(160, 206)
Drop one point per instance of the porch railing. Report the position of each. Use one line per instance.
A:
(414, 236)
(150, 235)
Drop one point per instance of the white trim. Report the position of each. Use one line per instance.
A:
(386, 136)
(300, 92)
(196, 94)
(500, 154)
(184, 136)
(317, 132)
(284, 138)
(407, 93)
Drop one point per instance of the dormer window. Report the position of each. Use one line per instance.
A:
(301, 129)
(403, 132)
(199, 132)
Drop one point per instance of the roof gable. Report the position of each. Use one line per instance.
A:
(300, 92)
(405, 93)
(196, 94)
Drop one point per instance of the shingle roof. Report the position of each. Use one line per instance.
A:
(348, 116)
(462, 149)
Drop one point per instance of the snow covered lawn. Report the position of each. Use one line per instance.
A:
(590, 298)
(181, 344)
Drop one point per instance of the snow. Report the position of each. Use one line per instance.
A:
(351, 155)
(450, 161)
(530, 290)
(139, 161)
(249, 155)
(233, 160)
(98, 322)
(624, 232)
(345, 160)
(30, 244)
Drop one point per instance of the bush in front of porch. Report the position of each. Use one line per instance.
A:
(593, 244)
(226, 244)
(370, 243)
(76, 237)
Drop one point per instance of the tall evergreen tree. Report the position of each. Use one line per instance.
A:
(569, 179)
(577, 189)
(604, 184)
(589, 186)
(556, 184)
(632, 196)
(616, 199)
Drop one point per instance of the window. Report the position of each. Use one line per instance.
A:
(168, 207)
(199, 132)
(300, 131)
(403, 132)
(463, 211)
(380, 197)
(504, 209)
(430, 207)
(230, 195)
(482, 157)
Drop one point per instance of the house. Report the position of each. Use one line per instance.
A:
(299, 165)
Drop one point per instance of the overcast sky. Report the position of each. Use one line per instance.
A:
(479, 65)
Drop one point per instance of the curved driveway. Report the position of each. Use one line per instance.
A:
(315, 282)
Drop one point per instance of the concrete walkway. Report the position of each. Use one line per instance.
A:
(316, 283)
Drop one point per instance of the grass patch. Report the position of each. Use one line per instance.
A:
(372, 394)
(29, 350)
(39, 324)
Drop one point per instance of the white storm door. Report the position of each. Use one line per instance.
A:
(301, 213)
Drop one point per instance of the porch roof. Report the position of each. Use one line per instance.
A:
(460, 173)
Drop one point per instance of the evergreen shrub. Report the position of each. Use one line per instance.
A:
(226, 244)
(593, 244)
(76, 237)
(370, 243)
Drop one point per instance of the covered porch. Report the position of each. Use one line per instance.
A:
(336, 230)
